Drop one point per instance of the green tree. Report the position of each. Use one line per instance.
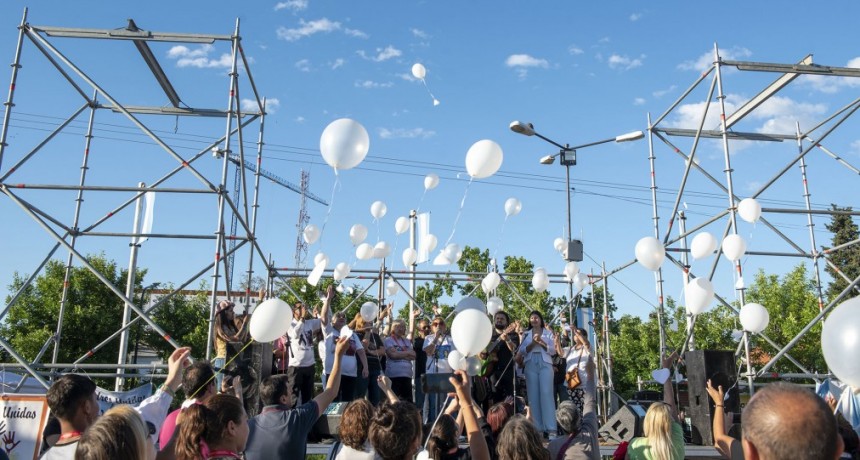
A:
(184, 319)
(847, 259)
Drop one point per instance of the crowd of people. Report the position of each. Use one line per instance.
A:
(533, 398)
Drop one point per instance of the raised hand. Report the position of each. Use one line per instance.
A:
(716, 394)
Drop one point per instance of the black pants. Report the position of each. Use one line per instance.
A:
(503, 383)
(402, 387)
(301, 381)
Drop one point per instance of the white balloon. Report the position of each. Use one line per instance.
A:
(483, 159)
(368, 311)
(456, 360)
(381, 250)
(401, 225)
(346, 332)
(494, 305)
(703, 245)
(423, 455)
(840, 344)
(754, 318)
(650, 253)
(513, 207)
(452, 252)
(558, 244)
(409, 257)
(580, 280)
(441, 259)
(378, 209)
(391, 288)
(344, 144)
(419, 71)
(311, 234)
(319, 258)
(470, 303)
(364, 251)
(471, 331)
(540, 280)
(357, 234)
(270, 320)
(341, 271)
(473, 365)
(429, 242)
(570, 270)
(316, 273)
(491, 281)
(749, 209)
(431, 181)
(699, 293)
(734, 247)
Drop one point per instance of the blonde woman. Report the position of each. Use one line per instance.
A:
(119, 433)
(664, 437)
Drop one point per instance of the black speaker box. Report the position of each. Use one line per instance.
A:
(329, 422)
(252, 365)
(718, 367)
(625, 424)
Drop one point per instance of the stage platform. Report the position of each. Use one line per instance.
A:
(693, 452)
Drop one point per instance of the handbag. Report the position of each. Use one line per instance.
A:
(572, 377)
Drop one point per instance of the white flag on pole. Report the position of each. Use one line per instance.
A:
(423, 231)
(149, 198)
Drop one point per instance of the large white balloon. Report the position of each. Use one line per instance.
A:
(473, 365)
(512, 207)
(570, 270)
(378, 209)
(341, 271)
(368, 311)
(401, 225)
(456, 360)
(734, 247)
(754, 317)
(495, 305)
(650, 253)
(409, 256)
(483, 159)
(357, 234)
(749, 209)
(840, 342)
(391, 288)
(441, 259)
(471, 331)
(703, 245)
(540, 280)
(270, 320)
(431, 181)
(364, 251)
(311, 234)
(344, 144)
(580, 280)
(558, 244)
(419, 71)
(452, 252)
(429, 242)
(319, 258)
(491, 281)
(700, 294)
(470, 302)
(381, 250)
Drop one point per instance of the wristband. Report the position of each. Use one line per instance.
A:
(165, 388)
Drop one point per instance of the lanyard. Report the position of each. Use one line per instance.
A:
(69, 435)
(223, 453)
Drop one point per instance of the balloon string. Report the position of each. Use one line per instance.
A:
(428, 90)
(421, 202)
(459, 212)
(334, 189)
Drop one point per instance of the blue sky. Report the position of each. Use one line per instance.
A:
(579, 72)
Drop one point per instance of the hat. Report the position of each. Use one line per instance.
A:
(223, 305)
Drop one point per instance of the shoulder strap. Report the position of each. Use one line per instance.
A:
(564, 447)
(580, 356)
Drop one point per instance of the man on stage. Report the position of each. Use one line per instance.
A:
(499, 358)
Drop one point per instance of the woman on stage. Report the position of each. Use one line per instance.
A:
(579, 359)
(537, 349)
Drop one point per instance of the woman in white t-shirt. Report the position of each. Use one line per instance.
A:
(578, 357)
(536, 352)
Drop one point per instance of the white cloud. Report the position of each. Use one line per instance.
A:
(370, 84)
(523, 62)
(753, 186)
(250, 105)
(604, 40)
(303, 65)
(574, 50)
(400, 133)
(639, 101)
(777, 115)
(418, 33)
(407, 76)
(355, 33)
(199, 57)
(635, 17)
(339, 62)
(832, 85)
(300, 119)
(663, 92)
(295, 5)
(617, 61)
(382, 54)
(307, 28)
(706, 60)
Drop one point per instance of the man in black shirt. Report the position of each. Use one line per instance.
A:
(499, 354)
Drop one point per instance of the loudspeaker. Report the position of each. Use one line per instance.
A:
(718, 367)
(329, 422)
(253, 365)
(625, 424)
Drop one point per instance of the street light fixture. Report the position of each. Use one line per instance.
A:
(567, 156)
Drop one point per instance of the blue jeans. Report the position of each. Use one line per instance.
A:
(218, 364)
(540, 391)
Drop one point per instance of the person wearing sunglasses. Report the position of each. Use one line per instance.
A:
(437, 346)
(422, 329)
